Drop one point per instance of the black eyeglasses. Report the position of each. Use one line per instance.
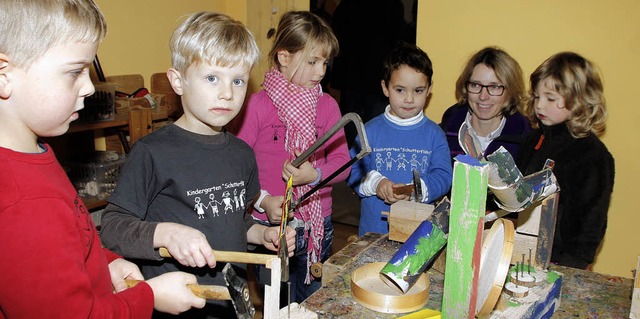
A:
(492, 89)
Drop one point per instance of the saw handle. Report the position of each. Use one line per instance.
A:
(203, 291)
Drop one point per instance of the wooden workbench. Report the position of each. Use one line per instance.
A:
(584, 294)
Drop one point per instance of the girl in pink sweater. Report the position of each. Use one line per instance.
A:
(282, 121)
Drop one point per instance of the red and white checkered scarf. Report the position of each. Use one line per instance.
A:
(296, 107)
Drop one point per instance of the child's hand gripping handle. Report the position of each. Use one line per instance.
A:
(203, 291)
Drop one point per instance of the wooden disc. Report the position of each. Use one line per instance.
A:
(495, 257)
(516, 291)
(369, 290)
(525, 279)
(316, 270)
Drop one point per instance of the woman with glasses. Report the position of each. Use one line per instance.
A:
(490, 93)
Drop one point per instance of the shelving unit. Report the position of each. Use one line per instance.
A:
(130, 124)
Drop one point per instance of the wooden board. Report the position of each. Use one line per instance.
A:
(468, 200)
(404, 218)
(522, 244)
(535, 231)
(529, 220)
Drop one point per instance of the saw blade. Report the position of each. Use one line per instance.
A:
(283, 248)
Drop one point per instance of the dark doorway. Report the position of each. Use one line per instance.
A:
(367, 30)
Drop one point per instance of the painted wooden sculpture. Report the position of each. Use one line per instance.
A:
(468, 199)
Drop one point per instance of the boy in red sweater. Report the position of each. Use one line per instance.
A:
(53, 264)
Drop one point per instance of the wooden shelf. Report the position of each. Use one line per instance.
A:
(121, 119)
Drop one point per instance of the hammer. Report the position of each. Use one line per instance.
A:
(236, 290)
(414, 189)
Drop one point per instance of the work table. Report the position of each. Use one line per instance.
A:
(584, 294)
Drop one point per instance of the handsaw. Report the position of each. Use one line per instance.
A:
(283, 249)
(364, 150)
(290, 205)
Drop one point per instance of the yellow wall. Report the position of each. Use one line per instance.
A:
(603, 31)
(138, 31)
(449, 31)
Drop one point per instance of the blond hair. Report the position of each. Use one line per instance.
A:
(578, 81)
(506, 69)
(212, 38)
(302, 31)
(29, 28)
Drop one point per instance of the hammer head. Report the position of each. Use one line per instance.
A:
(239, 292)
(417, 186)
(414, 190)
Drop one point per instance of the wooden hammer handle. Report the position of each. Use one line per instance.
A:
(232, 256)
(403, 190)
(202, 291)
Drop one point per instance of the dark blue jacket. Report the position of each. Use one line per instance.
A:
(585, 171)
(513, 133)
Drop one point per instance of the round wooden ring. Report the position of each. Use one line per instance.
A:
(495, 257)
(369, 290)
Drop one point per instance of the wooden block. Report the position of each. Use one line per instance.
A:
(521, 245)
(635, 298)
(404, 218)
(535, 231)
(529, 220)
(272, 292)
(468, 200)
(541, 301)
(440, 263)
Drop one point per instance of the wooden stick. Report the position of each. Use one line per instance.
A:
(271, 291)
(203, 291)
(232, 256)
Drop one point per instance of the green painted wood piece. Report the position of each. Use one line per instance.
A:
(468, 201)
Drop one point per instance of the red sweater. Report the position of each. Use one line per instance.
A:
(53, 264)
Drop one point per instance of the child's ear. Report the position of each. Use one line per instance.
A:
(384, 88)
(5, 83)
(175, 78)
(284, 57)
